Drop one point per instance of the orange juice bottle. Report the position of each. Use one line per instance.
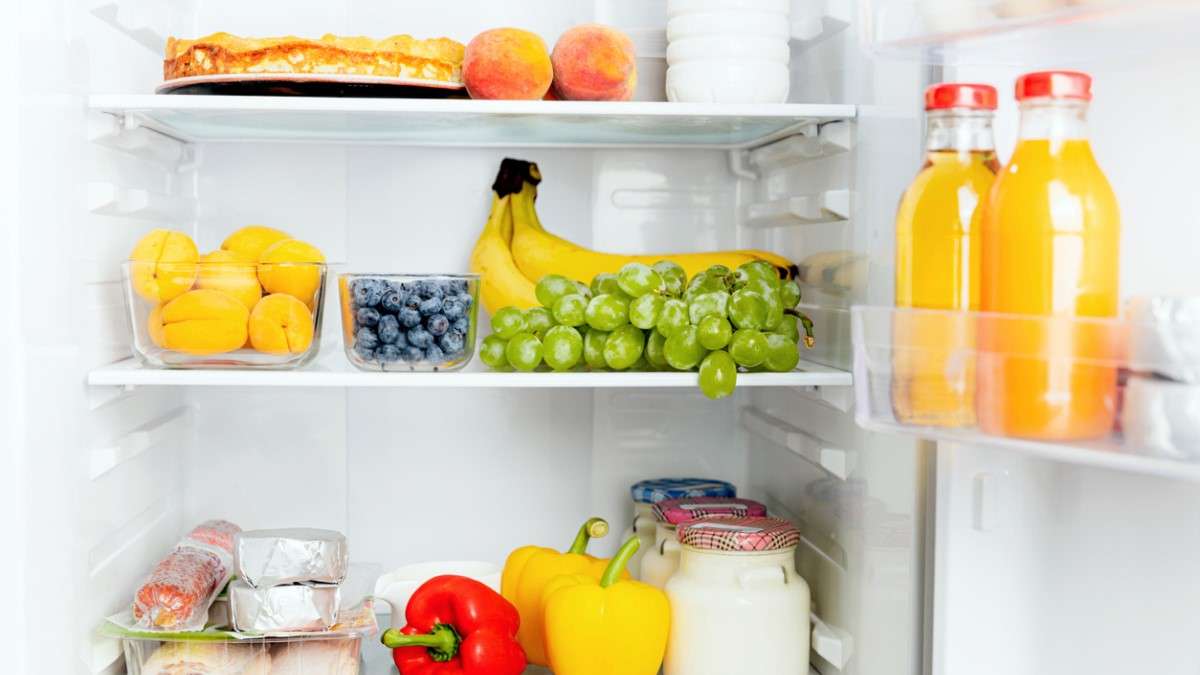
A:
(1051, 239)
(937, 259)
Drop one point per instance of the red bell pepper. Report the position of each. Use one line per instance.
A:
(457, 626)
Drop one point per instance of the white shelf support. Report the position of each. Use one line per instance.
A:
(105, 458)
(124, 134)
(831, 643)
(834, 461)
(831, 206)
(136, 19)
(107, 199)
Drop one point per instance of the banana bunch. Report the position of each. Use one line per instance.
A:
(514, 251)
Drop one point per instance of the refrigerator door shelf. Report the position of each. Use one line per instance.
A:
(916, 357)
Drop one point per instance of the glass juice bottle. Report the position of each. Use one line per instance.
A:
(1051, 239)
(938, 259)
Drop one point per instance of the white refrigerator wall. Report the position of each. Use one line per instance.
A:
(1076, 569)
(108, 478)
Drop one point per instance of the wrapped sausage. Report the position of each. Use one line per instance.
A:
(181, 587)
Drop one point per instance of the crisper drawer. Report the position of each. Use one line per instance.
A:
(271, 656)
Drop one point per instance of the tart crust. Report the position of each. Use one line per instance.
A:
(397, 56)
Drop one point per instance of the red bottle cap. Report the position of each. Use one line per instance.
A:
(1055, 84)
(959, 95)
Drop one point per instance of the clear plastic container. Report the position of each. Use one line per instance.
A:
(409, 322)
(326, 655)
(225, 314)
(1142, 358)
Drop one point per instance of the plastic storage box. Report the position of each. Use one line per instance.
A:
(268, 656)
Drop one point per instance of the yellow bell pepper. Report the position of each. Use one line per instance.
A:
(528, 570)
(606, 627)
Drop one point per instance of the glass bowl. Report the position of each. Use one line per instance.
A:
(225, 314)
(409, 322)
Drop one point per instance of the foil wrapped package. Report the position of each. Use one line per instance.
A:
(1165, 337)
(265, 558)
(283, 609)
(1162, 418)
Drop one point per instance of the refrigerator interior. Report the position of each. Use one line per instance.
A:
(110, 476)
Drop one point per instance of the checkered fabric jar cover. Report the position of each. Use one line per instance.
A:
(660, 489)
(739, 534)
(676, 511)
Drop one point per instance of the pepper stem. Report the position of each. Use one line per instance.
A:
(442, 641)
(618, 562)
(594, 527)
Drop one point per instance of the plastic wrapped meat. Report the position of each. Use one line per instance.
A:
(283, 609)
(266, 558)
(215, 533)
(206, 658)
(181, 587)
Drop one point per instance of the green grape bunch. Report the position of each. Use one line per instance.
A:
(652, 317)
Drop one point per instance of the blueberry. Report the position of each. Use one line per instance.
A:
(365, 352)
(366, 338)
(461, 325)
(452, 308)
(452, 343)
(388, 354)
(466, 300)
(389, 329)
(392, 301)
(368, 292)
(437, 325)
(431, 306)
(411, 354)
(427, 289)
(434, 354)
(367, 316)
(409, 317)
(456, 286)
(411, 299)
(401, 338)
(419, 337)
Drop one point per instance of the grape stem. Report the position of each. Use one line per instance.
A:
(809, 340)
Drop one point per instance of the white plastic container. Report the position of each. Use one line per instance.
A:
(661, 561)
(398, 586)
(737, 585)
(717, 81)
(728, 51)
(645, 494)
(728, 47)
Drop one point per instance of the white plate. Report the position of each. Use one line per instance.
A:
(317, 79)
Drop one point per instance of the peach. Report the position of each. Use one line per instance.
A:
(285, 267)
(281, 324)
(252, 240)
(203, 321)
(507, 63)
(163, 265)
(230, 272)
(594, 63)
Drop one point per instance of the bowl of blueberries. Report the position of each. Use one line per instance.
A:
(409, 322)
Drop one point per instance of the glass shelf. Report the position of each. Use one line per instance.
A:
(1118, 393)
(334, 371)
(455, 122)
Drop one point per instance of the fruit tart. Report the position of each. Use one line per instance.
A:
(399, 56)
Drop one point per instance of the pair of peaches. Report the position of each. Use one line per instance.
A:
(258, 291)
(589, 63)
